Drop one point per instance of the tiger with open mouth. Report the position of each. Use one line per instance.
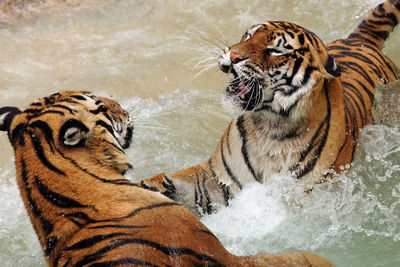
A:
(301, 103)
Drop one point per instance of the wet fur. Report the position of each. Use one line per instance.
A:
(70, 162)
(302, 103)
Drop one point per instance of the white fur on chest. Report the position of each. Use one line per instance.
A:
(271, 156)
(258, 155)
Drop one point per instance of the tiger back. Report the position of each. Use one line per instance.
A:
(70, 160)
(301, 106)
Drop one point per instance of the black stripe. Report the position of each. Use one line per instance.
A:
(206, 232)
(83, 218)
(118, 226)
(51, 243)
(350, 87)
(375, 34)
(350, 97)
(207, 195)
(79, 97)
(115, 146)
(55, 198)
(50, 100)
(214, 174)
(296, 68)
(342, 146)
(47, 131)
(228, 145)
(243, 135)
(337, 47)
(154, 206)
(36, 104)
(101, 108)
(151, 188)
(47, 226)
(376, 52)
(63, 107)
(104, 180)
(311, 164)
(307, 75)
(301, 38)
(354, 130)
(311, 38)
(40, 153)
(169, 185)
(45, 112)
(18, 132)
(305, 153)
(198, 197)
(360, 37)
(166, 250)
(359, 56)
(123, 261)
(385, 15)
(228, 169)
(227, 193)
(92, 241)
(67, 100)
(369, 93)
(107, 126)
(381, 23)
(33, 110)
(360, 70)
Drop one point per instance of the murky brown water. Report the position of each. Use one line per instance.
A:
(158, 58)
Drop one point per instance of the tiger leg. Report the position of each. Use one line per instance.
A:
(196, 188)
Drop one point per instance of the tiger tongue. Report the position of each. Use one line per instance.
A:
(243, 89)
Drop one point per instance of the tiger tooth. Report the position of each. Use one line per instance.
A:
(242, 96)
(230, 88)
(230, 70)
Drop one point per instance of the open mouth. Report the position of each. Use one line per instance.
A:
(247, 92)
(240, 88)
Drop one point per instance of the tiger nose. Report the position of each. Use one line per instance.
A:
(235, 57)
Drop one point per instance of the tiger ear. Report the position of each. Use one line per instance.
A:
(7, 115)
(73, 133)
(331, 67)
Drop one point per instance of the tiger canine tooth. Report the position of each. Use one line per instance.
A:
(230, 69)
(230, 88)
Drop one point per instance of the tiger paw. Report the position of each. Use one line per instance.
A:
(161, 183)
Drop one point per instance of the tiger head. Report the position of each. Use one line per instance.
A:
(88, 129)
(274, 66)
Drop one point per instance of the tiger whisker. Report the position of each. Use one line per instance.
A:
(201, 72)
(206, 61)
(203, 35)
(224, 40)
(205, 49)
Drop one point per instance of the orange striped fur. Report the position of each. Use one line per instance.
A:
(70, 163)
(301, 103)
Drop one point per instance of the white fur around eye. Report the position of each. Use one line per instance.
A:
(73, 136)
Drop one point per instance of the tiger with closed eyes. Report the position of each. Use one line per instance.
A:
(70, 160)
(301, 103)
